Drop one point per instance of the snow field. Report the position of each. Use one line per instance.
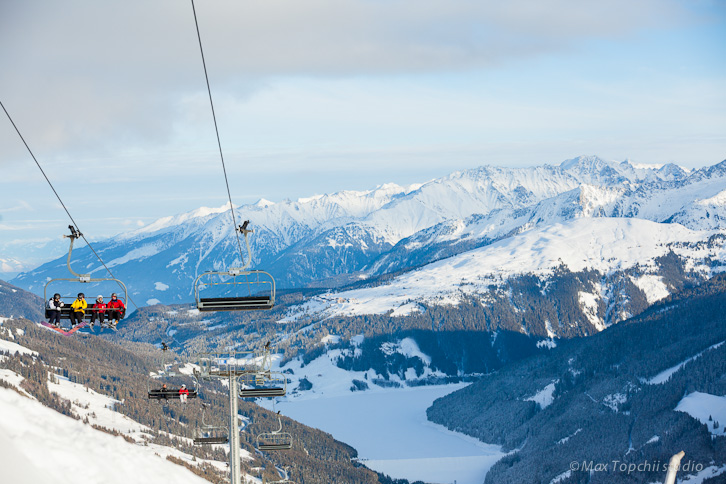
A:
(703, 406)
(390, 431)
(544, 397)
(38, 444)
(12, 348)
(9, 376)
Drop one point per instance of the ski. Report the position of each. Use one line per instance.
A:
(62, 331)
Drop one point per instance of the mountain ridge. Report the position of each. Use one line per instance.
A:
(353, 234)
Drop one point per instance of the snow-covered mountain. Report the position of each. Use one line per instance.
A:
(600, 245)
(349, 235)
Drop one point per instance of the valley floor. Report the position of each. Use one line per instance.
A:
(389, 429)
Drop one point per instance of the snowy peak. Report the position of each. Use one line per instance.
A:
(262, 203)
(594, 170)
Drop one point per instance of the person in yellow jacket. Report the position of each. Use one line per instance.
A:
(78, 309)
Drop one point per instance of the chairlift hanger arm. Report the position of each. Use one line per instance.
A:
(74, 235)
(244, 231)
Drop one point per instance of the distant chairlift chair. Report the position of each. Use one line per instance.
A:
(258, 292)
(275, 440)
(263, 384)
(169, 393)
(210, 434)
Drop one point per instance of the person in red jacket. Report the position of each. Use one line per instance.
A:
(183, 394)
(98, 311)
(115, 309)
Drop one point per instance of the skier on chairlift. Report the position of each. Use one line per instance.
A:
(99, 308)
(116, 310)
(183, 394)
(54, 310)
(78, 309)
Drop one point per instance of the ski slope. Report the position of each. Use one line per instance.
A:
(39, 445)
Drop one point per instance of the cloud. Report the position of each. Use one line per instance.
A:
(137, 223)
(22, 206)
(102, 78)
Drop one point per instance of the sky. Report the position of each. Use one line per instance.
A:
(318, 96)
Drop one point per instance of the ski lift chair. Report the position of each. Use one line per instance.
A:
(169, 393)
(79, 279)
(251, 290)
(265, 384)
(210, 434)
(275, 440)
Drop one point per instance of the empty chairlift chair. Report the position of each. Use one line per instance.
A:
(264, 384)
(275, 440)
(243, 290)
(210, 434)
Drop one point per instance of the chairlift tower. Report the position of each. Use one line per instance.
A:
(232, 366)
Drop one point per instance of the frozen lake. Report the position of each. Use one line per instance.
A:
(390, 431)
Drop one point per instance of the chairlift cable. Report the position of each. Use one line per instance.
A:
(59, 198)
(216, 129)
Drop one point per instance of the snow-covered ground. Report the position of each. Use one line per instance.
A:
(8, 346)
(39, 445)
(389, 429)
(98, 409)
(544, 397)
(12, 348)
(708, 473)
(603, 244)
(707, 409)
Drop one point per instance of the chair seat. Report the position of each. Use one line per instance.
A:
(211, 440)
(262, 392)
(246, 303)
(169, 394)
(264, 447)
